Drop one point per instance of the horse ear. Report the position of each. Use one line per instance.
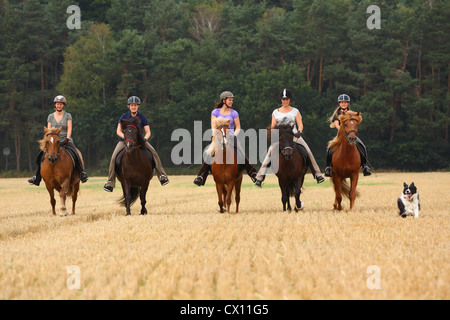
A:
(58, 130)
(45, 129)
(123, 123)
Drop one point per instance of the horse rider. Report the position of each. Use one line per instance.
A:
(224, 109)
(61, 118)
(133, 106)
(344, 105)
(288, 114)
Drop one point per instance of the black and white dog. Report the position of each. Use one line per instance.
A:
(408, 203)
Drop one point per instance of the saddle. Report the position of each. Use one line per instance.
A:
(118, 160)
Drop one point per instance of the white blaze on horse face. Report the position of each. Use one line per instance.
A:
(51, 140)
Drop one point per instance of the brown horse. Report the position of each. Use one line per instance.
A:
(58, 171)
(136, 168)
(346, 159)
(224, 167)
(291, 166)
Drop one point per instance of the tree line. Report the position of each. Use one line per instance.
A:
(178, 56)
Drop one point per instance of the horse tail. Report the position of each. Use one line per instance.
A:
(346, 189)
(134, 192)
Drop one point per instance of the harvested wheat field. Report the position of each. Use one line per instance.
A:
(185, 249)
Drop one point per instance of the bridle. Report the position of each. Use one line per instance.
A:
(59, 147)
(224, 140)
(346, 134)
(129, 140)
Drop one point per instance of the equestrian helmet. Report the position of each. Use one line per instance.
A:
(134, 100)
(59, 98)
(285, 94)
(344, 97)
(226, 94)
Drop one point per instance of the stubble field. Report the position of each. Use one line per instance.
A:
(185, 249)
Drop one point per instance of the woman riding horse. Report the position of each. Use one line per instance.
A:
(288, 114)
(63, 119)
(223, 109)
(133, 105)
(344, 105)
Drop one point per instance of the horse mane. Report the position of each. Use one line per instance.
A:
(218, 122)
(333, 144)
(47, 131)
(283, 130)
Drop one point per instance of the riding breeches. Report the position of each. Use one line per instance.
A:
(120, 145)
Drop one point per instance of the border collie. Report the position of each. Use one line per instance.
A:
(408, 203)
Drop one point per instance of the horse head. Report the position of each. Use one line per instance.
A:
(221, 126)
(286, 139)
(50, 144)
(349, 125)
(132, 133)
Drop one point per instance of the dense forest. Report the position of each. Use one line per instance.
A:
(178, 56)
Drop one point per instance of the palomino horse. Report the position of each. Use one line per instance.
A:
(291, 166)
(224, 167)
(58, 171)
(346, 159)
(136, 168)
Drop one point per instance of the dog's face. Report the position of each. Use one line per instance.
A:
(409, 191)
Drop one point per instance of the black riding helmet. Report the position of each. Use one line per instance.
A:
(285, 94)
(344, 97)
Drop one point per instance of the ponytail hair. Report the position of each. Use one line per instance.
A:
(330, 119)
(219, 105)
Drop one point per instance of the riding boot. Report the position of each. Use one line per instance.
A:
(80, 169)
(328, 162)
(363, 153)
(366, 169)
(36, 179)
(202, 175)
(251, 171)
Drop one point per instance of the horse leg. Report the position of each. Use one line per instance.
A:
(51, 192)
(143, 201)
(337, 182)
(353, 183)
(238, 193)
(127, 196)
(230, 187)
(75, 189)
(224, 197)
(219, 188)
(285, 198)
(298, 191)
(62, 197)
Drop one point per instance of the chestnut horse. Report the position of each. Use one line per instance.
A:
(346, 159)
(136, 167)
(224, 166)
(291, 166)
(58, 171)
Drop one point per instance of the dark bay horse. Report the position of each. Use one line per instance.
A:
(346, 159)
(224, 166)
(291, 165)
(58, 171)
(136, 168)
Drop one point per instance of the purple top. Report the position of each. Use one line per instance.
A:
(233, 115)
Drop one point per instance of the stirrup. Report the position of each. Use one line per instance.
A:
(327, 172)
(258, 183)
(366, 171)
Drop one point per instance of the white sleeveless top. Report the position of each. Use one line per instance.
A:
(288, 118)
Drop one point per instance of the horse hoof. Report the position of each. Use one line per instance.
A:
(63, 214)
